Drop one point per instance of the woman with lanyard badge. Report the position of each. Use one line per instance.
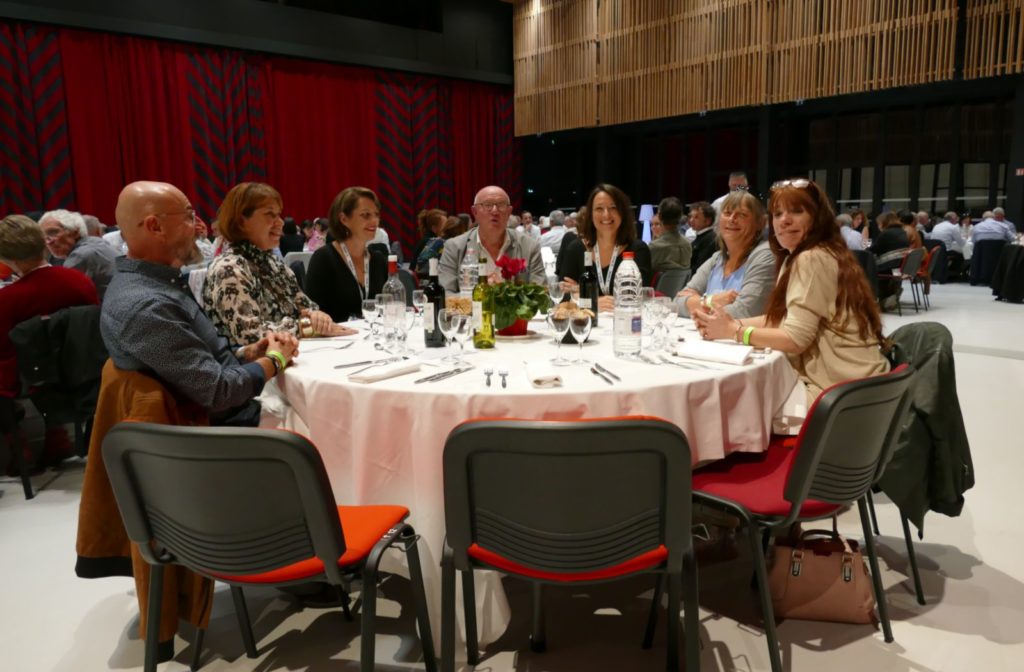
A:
(740, 276)
(344, 272)
(607, 229)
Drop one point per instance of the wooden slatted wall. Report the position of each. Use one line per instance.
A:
(554, 53)
(995, 38)
(661, 58)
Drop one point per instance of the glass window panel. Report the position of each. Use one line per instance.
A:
(897, 183)
(867, 184)
(926, 187)
(846, 184)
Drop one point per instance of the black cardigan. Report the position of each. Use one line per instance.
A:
(573, 267)
(332, 286)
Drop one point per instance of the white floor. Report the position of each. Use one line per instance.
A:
(972, 570)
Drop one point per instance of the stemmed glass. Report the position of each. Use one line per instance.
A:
(419, 300)
(462, 328)
(647, 312)
(370, 315)
(446, 324)
(580, 325)
(401, 321)
(555, 290)
(559, 325)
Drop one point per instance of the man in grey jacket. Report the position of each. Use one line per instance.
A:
(491, 239)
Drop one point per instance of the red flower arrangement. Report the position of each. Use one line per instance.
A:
(510, 268)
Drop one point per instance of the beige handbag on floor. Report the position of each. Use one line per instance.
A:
(821, 578)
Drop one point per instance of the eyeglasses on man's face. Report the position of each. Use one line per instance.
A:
(189, 214)
(491, 206)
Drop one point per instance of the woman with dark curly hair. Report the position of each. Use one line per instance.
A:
(822, 312)
(607, 229)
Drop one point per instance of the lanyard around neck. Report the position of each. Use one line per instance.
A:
(352, 267)
(604, 281)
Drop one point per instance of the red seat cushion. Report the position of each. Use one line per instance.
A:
(757, 480)
(363, 527)
(641, 562)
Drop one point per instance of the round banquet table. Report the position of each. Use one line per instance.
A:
(382, 442)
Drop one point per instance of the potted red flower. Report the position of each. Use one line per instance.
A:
(515, 302)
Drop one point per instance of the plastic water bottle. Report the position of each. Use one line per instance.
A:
(469, 273)
(626, 334)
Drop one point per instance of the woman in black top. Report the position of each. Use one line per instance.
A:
(608, 229)
(291, 239)
(345, 271)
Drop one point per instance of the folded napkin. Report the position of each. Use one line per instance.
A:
(385, 371)
(727, 353)
(542, 374)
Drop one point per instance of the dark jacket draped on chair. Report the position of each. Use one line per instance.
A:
(931, 467)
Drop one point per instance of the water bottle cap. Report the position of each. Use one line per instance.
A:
(627, 255)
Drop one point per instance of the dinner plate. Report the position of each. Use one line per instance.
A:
(528, 336)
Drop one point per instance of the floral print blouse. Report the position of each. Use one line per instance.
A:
(249, 291)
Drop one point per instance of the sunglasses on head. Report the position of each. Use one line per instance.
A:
(797, 183)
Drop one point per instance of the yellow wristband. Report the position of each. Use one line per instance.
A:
(746, 335)
(278, 357)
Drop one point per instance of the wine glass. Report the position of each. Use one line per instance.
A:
(462, 328)
(401, 320)
(370, 315)
(580, 325)
(444, 323)
(560, 326)
(419, 300)
(647, 312)
(555, 290)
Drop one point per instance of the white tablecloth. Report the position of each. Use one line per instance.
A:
(382, 442)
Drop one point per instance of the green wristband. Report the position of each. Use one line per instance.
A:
(279, 358)
(746, 335)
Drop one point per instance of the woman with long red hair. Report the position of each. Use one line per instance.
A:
(822, 312)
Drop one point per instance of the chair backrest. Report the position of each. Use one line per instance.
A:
(299, 269)
(292, 257)
(567, 497)
(847, 437)
(984, 258)
(672, 282)
(60, 360)
(933, 259)
(223, 500)
(870, 266)
(409, 282)
(912, 262)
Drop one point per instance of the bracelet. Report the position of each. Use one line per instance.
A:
(306, 328)
(738, 334)
(746, 335)
(240, 353)
(278, 358)
(709, 301)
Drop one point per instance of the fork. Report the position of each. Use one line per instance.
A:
(330, 347)
(381, 362)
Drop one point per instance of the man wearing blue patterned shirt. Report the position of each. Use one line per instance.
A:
(151, 322)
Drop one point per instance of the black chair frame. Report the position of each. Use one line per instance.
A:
(598, 466)
(840, 456)
(196, 497)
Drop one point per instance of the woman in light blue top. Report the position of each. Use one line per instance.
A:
(740, 276)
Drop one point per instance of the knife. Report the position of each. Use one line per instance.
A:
(451, 374)
(443, 375)
(345, 366)
(606, 372)
(601, 375)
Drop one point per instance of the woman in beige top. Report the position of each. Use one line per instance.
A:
(822, 313)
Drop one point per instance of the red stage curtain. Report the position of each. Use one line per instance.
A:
(205, 119)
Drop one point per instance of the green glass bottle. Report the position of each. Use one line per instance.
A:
(483, 312)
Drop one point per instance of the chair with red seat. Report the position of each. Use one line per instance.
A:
(840, 453)
(568, 503)
(250, 506)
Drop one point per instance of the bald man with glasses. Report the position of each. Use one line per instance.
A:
(492, 239)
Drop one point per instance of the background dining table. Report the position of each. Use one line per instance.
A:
(382, 442)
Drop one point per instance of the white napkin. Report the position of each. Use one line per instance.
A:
(375, 373)
(727, 353)
(542, 374)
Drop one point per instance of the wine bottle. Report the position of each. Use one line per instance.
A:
(432, 336)
(588, 286)
(483, 312)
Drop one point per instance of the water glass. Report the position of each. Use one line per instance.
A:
(462, 328)
(560, 326)
(555, 290)
(580, 325)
